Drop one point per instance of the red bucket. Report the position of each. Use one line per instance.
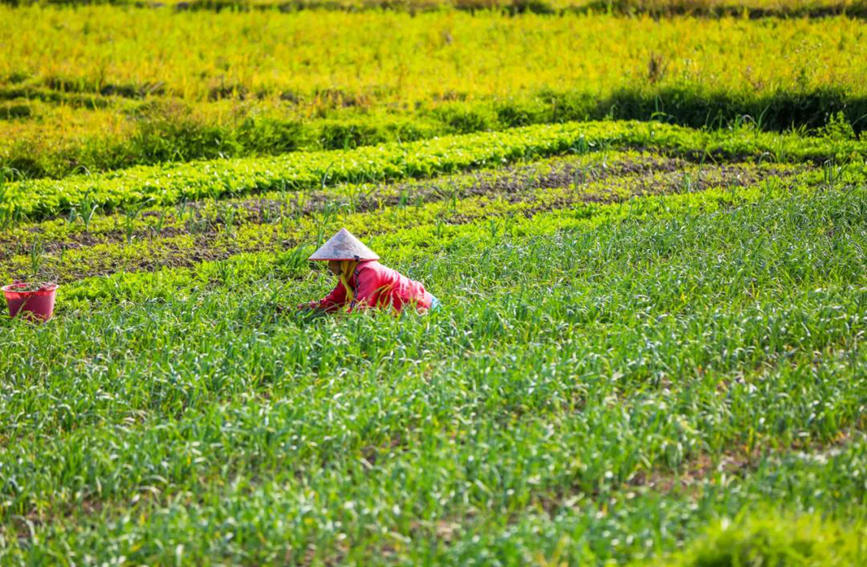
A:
(37, 305)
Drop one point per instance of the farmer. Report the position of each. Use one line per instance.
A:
(362, 282)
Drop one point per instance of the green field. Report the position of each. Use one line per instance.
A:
(651, 349)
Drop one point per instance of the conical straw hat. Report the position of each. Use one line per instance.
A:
(344, 246)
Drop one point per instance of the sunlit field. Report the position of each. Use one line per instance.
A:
(646, 223)
(102, 87)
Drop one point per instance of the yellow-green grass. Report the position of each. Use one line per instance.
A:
(104, 86)
(698, 7)
(373, 59)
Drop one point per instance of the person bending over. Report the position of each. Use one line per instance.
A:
(363, 283)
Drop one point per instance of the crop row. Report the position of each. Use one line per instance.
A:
(405, 244)
(173, 183)
(194, 238)
(210, 217)
(401, 231)
(280, 206)
(76, 92)
(652, 334)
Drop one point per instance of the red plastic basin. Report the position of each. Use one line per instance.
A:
(37, 304)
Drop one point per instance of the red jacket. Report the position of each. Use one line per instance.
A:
(377, 286)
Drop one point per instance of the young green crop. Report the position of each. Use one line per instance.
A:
(569, 364)
(650, 346)
(496, 200)
(172, 183)
(283, 207)
(402, 231)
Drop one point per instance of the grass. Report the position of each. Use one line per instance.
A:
(629, 7)
(78, 96)
(651, 347)
(800, 540)
(269, 55)
(539, 416)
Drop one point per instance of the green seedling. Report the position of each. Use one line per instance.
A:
(36, 257)
(590, 359)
